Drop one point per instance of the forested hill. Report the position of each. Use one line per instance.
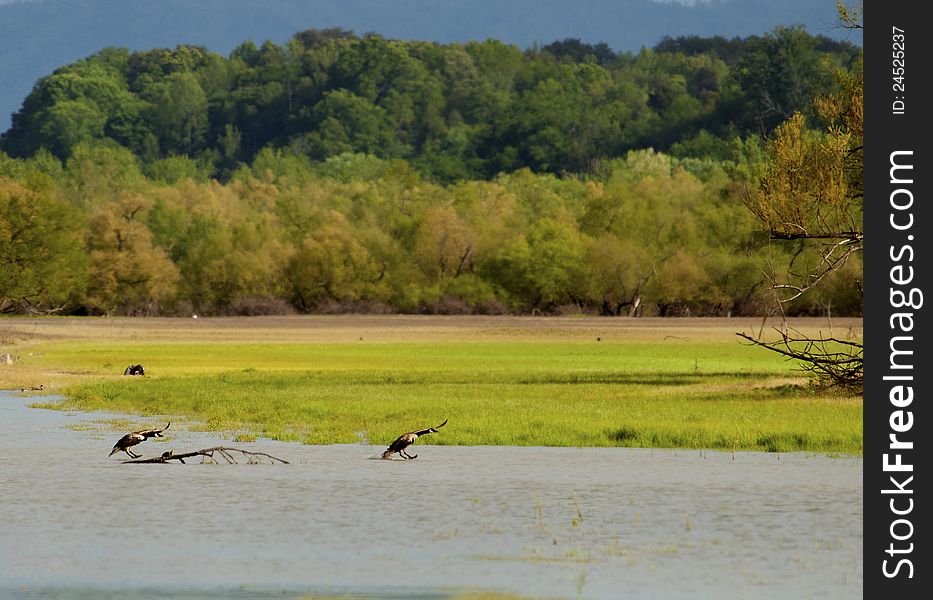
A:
(37, 36)
(344, 173)
(455, 111)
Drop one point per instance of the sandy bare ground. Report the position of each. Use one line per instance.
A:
(400, 328)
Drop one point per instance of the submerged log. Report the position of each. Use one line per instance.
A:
(207, 456)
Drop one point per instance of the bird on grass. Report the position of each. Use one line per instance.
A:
(131, 439)
(407, 439)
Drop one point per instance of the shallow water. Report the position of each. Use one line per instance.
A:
(542, 522)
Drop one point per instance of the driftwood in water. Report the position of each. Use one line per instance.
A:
(208, 453)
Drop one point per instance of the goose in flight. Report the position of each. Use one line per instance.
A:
(407, 439)
(131, 439)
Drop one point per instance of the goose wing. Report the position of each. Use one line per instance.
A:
(430, 429)
(401, 442)
(147, 433)
(130, 439)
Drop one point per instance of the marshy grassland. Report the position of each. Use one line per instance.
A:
(553, 381)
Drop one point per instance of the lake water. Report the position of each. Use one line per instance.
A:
(541, 522)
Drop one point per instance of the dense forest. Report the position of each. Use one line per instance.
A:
(38, 36)
(355, 173)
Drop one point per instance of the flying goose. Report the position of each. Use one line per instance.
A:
(131, 439)
(407, 439)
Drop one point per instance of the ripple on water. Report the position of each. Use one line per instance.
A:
(543, 522)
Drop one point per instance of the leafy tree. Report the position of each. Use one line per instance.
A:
(42, 266)
(544, 268)
(178, 113)
(728, 50)
(331, 264)
(620, 268)
(82, 102)
(316, 38)
(809, 193)
(810, 187)
(69, 123)
(221, 262)
(681, 281)
(350, 166)
(127, 272)
(781, 72)
(578, 51)
(173, 169)
(98, 173)
(348, 123)
(443, 244)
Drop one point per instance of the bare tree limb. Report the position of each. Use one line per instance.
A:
(834, 362)
(206, 453)
(830, 262)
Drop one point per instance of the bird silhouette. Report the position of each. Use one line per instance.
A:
(171, 453)
(407, 439)
(131, 439)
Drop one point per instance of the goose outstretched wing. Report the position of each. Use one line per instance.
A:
(430, 429)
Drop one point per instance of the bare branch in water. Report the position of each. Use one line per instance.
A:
(208, 453)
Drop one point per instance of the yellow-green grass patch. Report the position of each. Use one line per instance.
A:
(544, 383)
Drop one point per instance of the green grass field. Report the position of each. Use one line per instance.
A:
(685, 383)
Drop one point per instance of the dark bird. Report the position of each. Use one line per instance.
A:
(407, 439)
(131, 439)
(168, 454)
(134, 370)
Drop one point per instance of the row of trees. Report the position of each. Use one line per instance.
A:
(646, 234)
(342, 173)
(453, 112)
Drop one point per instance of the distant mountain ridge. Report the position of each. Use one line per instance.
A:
(37, 36)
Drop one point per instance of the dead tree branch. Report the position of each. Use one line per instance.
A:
(834, 362)
(207, 455)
